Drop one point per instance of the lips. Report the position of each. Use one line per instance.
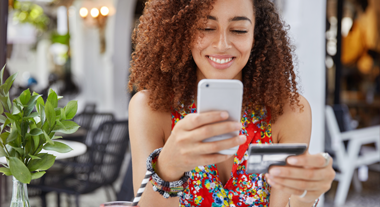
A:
(220, 61)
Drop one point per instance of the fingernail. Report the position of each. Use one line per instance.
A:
(242, 139)
(224, 115)
(292, 160)
(238, 125)
(275, 171)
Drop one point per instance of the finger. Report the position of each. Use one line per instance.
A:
(215, 129)
(308, 160)
(213, 147)
(193, 121)
(293, 191)
(299, 173)
(213, 158)
(296, 183)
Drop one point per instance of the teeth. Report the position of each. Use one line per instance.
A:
(220, 61)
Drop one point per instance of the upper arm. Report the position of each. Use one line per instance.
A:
(146, 134)
(294, 126)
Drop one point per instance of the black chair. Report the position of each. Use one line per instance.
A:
(99, 167)
(89, 122)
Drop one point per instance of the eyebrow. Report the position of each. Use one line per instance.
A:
(237, 18)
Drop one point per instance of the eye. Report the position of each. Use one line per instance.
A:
(239, 31)
(208, 29)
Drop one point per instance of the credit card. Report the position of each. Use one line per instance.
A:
(261, 157)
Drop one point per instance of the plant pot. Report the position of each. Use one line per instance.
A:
(19, 194)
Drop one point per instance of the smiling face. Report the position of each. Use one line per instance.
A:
(222, 48)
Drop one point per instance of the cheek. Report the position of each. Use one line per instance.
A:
(199, 45)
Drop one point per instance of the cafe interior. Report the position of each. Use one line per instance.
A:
(81, 49)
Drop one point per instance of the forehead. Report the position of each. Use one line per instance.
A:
(224, 9)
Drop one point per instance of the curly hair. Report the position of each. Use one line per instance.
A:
(162, 63)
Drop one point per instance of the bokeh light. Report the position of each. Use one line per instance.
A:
(83, 12)
(104, 11)
(94, 12)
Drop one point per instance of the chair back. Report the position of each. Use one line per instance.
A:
(104, 157)
(343, 117)
(111, 141)
(332, 129)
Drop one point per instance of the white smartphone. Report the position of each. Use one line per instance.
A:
(221, 95)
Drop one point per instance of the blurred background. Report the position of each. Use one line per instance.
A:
(81, 49)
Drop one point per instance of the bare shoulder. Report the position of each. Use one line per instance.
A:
(294, 125)
(141, 114)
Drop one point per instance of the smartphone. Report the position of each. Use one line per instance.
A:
(261, 157)
(221, 95)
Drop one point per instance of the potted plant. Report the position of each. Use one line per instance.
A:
(28, 125)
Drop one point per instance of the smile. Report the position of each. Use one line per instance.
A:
(221, 61)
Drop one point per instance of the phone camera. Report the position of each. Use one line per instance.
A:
(207, 85)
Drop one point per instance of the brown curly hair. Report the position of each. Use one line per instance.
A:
(162, 63)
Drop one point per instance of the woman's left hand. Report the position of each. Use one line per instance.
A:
(306, 173)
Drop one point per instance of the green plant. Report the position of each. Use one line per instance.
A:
(25, 132)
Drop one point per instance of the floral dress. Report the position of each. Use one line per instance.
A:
(242, 189)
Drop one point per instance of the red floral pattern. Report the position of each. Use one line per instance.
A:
(205, 187)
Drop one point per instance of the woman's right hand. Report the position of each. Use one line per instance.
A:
(184, 150)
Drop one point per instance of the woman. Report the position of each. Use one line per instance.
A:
(180, 42)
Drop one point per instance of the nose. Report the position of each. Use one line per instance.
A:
(222, 42)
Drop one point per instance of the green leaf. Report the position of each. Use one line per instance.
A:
(66, 127)
(71, 109)
(6, 102)
(16, 108)
(57, 137)
(36, 140)
(2, 152)
(50, 114)
(8, 83)
(13, 135)
(35, 132)
(2, 75)
(37, 175)
(6, 171)
(7, 122)
(19, 170)
(52, 98)
(40, 100)
(11, 117)
(42, 114)
(46, 161)
(32, 115)
(58, 147)
(1, 109)
(4, 137)
(32, 102)
(57, 113)
(63, 114)
(34, 157)
(47, 138)
(25, 97)
(45, 127)
(24, 128)
(19, 150)
(2, 118)
(29, 147)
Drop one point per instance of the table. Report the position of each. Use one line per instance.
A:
(78, 149)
